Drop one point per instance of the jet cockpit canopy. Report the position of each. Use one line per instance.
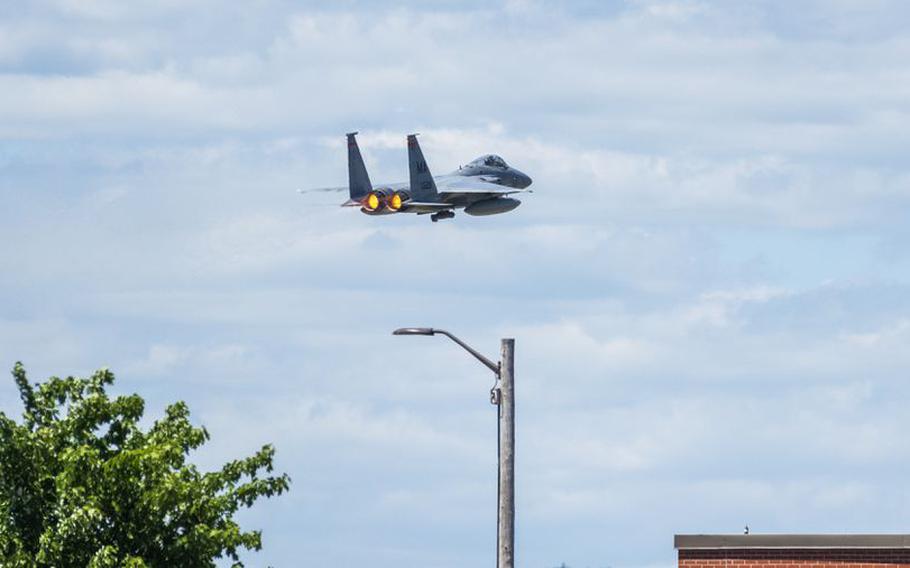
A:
(490, 160)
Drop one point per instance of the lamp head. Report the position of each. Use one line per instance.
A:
(414, 331)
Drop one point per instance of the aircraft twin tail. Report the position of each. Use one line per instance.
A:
(482, 187)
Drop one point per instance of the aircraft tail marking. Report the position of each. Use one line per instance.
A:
(358, 178)
(423, 186)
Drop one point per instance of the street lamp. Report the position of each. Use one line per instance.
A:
(503, 396)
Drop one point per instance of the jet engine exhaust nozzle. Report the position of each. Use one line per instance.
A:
(372, 202)
(397, 199)
(377, 201)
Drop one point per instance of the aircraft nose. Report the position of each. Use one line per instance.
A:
(523, 180)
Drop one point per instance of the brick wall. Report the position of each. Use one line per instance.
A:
(794, 558)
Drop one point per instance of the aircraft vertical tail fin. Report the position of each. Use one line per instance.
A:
(358, 178)
(423, 186)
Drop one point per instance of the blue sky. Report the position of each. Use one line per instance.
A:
(709, 289)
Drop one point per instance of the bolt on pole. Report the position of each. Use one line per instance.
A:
(506, 522)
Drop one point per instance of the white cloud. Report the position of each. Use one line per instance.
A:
(709, 329)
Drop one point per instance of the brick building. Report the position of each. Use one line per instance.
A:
(793, 551)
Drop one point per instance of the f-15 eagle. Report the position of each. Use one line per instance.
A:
(482, 187)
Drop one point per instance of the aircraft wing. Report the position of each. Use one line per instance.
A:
(425, 207)
(476, 186)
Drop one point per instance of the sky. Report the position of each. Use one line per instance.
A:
(709, 287)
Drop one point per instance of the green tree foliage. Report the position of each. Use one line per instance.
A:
(81, 484)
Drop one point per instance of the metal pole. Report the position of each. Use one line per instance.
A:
(503, 395)
(506, 522)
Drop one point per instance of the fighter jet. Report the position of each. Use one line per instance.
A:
(481, 187)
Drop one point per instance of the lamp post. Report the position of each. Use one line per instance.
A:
(503, 396)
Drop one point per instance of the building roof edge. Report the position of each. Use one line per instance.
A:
(791, 541)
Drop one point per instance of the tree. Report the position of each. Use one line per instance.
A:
(82, 484)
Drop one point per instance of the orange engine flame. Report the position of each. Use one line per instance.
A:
(394, 202)
(372, 202)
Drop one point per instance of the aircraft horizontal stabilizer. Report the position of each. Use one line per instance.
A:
(322, 190)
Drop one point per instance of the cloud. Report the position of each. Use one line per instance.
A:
(706, 287)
